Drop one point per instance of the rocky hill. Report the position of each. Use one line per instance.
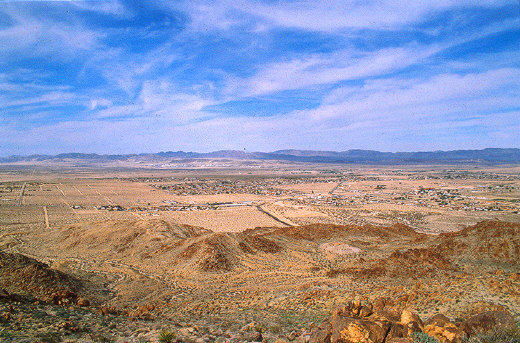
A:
(162, 246)
(493, 241)
(135, 278)
(25, 279)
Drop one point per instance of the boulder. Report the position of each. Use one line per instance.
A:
(445, 332)
(382, 302)
(414, 327)
(63, 297)
(354, 330)
(397, 330)
(438, 320)
(383, 322)
(408, 316)
(487, 322)
(349, 310)
(354, 309)
(390, 314)
(106, 310)
(321, 333)
(365, 311)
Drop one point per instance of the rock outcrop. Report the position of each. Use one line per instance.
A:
(381, 322)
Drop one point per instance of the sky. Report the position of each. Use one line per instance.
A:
(121, 77)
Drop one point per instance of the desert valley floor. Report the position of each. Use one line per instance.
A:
(279, 246)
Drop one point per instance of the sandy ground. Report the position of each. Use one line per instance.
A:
(223, 220)
(74, 196)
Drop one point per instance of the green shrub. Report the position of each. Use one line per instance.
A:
(421, 337)
(167, 336)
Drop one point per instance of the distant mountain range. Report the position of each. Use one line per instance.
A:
(490, 155)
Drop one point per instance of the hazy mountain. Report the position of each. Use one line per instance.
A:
(490, 155)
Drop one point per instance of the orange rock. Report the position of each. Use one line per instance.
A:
(390, 314)
(365, 311)
(438, 320)
(440, 327)
(107, 310)
(414, 327)
(381, 303)
(449, 333)
(63, 297)
(353, 330)
(407, 316)
(321, 333)
(354, 310)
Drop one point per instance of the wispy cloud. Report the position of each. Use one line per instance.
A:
(439, 96)
(108, 7)
(98, 75)
(160, 99)
(352, 64)
(34, 36)
(328, 69)
(319, 16)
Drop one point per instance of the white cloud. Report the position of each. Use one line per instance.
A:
(442, 95)
(53, 98)
(329, 16)
(344, 65)
(326, 16)
(39, 37)
(148, 100)
(328, 69)
(160, 99)
(108, 7)
(98, 103)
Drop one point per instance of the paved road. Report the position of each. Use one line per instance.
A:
(259, 208)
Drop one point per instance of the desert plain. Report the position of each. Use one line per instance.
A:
(220, 245)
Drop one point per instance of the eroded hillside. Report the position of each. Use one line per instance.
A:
(191, 272)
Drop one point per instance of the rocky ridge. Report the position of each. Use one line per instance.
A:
(231, 280)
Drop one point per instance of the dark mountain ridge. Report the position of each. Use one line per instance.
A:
(489, 155)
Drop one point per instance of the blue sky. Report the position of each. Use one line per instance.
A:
(148, 76)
